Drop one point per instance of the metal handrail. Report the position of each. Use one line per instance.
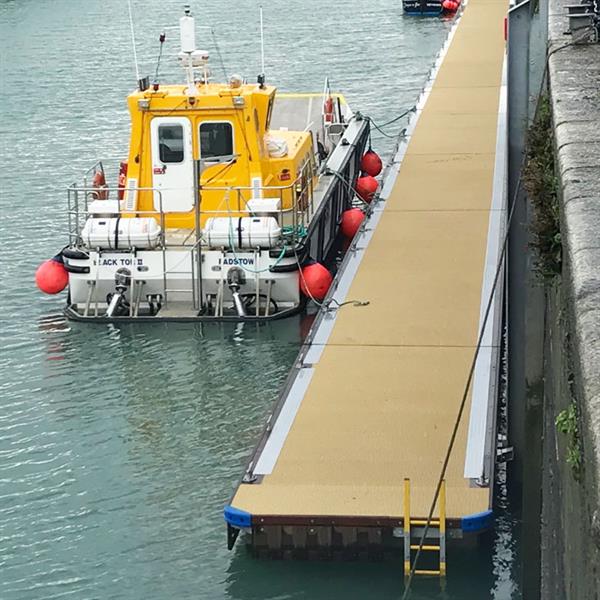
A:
(298, 195)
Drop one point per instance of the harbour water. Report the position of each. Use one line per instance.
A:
(120, 445)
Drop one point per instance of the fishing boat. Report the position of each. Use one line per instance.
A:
(430, 8)
(228, 206)
(424, 8)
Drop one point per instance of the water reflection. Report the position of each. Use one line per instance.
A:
(120, 444)
(251, 579)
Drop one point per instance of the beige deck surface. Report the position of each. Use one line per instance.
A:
(384, 395)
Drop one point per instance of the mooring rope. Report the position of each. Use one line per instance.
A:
(380, 127)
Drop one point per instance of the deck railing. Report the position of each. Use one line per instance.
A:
(298, 195)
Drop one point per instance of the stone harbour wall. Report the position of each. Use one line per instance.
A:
(571, 497)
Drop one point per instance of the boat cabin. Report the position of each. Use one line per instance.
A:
(226, 129)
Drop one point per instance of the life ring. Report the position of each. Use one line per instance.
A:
(99, 183)
(328, 110)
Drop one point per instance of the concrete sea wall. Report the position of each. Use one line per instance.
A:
(571, 496)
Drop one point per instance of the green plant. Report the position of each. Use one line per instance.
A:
(541, 185)
(566, 423)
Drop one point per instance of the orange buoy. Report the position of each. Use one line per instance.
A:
(351, 221)
(315, 281)
(51, 276)
(450, 5)
(370, 163)
(366, 186)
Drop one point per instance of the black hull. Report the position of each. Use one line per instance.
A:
(425, 8)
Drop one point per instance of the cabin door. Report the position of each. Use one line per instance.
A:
(172, 164)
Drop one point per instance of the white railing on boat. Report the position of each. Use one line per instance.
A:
(293, 219)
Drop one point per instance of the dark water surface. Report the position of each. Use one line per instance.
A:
(120, 445)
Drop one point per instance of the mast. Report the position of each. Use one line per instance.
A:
(187, 31)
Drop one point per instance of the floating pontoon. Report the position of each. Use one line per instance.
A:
(350, 458)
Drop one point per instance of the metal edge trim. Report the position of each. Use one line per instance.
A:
(486, 368)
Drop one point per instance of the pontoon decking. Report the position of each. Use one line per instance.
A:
(367, 413)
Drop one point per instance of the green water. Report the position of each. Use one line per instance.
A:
(119, 446)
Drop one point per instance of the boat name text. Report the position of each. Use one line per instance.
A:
(236, 261)
(121, 262)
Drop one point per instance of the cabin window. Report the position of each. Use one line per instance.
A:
(216, 140)
(170, 143)
(256, 123)
(269, 114)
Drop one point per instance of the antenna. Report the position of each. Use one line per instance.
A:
(262, 41)
(212, 31)
(261, 77)
(161, 38)
(135, 60)
(187, 32)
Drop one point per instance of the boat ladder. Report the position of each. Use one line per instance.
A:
(173, 273)
(435, 540)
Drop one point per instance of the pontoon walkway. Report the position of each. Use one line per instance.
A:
(373, 397)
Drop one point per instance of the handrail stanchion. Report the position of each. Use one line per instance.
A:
(194, 301)
(69, 216)
(198, 244)
(163, 246)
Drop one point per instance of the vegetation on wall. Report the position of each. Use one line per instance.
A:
(540, 182)
(566, 423)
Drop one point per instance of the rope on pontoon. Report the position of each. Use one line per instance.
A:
(394, 120)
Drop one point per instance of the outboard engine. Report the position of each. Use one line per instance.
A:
(235, 279)
(117, 303)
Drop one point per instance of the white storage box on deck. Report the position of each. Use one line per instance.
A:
(263, 207)
(104, 208)
(121, 233)
(242, 232)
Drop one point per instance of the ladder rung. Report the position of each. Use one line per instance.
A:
(436, 528)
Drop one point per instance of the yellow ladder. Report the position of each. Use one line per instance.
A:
(437, 529)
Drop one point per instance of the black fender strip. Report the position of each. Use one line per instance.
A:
(76, 268)
(74, 254)
(289, 252)
(284, 268)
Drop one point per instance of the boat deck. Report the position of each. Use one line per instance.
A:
(374, 396)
